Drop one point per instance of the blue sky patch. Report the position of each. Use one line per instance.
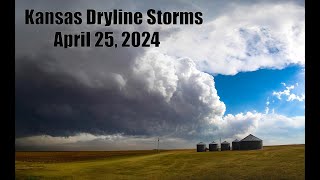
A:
(249, 91)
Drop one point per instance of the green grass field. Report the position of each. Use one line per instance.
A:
(273, 162)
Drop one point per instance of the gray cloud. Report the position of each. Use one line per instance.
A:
(155, 95)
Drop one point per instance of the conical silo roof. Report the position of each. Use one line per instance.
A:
(251, 137)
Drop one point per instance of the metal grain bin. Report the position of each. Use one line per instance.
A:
(250, 142)
(201, 147)
(225, 146)
(213, 146)
(236, 145)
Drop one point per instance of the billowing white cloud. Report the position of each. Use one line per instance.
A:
(245, 38)
(240, 125)
(272, 128)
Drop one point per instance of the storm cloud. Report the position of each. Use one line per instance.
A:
(156, 95)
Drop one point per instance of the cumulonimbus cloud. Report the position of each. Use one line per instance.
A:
(156, 95)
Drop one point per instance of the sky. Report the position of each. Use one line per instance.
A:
(249, 91)
(240, 72)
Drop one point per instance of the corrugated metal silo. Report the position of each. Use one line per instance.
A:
(236, 145)
(225, 146)
(201, 147)
(250, 142)
(213, 146)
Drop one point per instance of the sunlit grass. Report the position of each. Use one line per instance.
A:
(274, 162)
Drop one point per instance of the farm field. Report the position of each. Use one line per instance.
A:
(272, 162)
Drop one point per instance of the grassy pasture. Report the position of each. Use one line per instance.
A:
(273, 162)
